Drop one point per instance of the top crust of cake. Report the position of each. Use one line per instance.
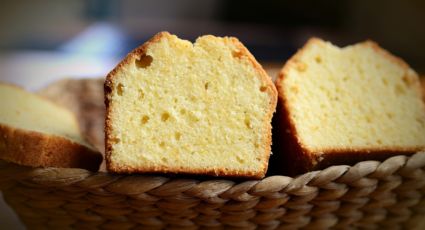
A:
(326, 152)
(268, 85)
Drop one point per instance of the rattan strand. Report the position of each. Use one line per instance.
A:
(368, 195)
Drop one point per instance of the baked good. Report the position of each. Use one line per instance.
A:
(35, 132)
(177, 107)
(85, 99)
(343, 105)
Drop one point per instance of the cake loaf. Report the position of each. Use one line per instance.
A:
(343, 105)
(177, 107)
(35, 132)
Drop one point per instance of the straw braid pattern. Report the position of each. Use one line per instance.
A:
(369, 195)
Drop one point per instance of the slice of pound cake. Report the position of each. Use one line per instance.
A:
(36, 132)
(343, 105)
(85, 99)
(178, 107)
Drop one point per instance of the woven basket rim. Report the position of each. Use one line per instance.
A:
(340, 173)
(370, 193)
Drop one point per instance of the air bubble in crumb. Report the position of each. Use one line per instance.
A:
(248, 123)
(178, 136)
(165, 116)
(162, 144)
(263, 88)
(141, 94)
(237, 54)
(318, 59)
(145, 119)
(206, 86)
(192, 98)
(385, 81)
(294, 89)
(120, 89)
(144, 61)
(420, 121)
(399, 89)
(368, 119)
(163, 159)
(115, 140)
(240, 160)
(193, 117)
(301, 66)
(407, 81)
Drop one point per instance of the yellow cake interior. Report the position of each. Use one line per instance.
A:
(357, 97)
(198, 106)
(26, 111)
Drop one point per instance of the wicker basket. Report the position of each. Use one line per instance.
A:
(370, 194)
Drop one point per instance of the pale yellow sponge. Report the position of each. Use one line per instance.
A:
(36, 132)
(178, 107)
(342, 105)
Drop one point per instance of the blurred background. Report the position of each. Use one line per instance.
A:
(44, 40)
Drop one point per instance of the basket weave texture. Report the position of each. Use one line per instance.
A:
(370, 194)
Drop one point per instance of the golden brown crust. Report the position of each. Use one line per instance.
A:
(36, 149)
(243, 52)
(188, 171)
(296, 158)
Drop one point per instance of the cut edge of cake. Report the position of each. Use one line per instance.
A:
(141, 50)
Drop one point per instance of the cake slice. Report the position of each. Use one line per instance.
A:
(177, 107)
(343, 105)
(85, 99)
(35, 132)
